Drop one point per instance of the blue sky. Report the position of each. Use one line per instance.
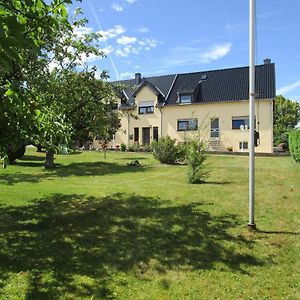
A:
(165, 37)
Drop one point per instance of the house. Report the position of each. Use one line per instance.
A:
(214, 102)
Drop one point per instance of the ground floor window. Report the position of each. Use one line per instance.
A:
(155, 133)
(136, 134)
(243, 145)
(187, 124)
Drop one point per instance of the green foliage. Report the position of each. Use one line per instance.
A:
(182, 151)
(43, 97)
(286, 117)
(195, 157)
(165, 150)
(123, 147)
(134, 148)
(134, 163)
(294, 145)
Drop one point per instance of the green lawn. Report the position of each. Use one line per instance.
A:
(95, 228)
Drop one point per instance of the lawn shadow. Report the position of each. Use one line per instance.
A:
(73, 169)
(31, 158)
(62, 240)
(277, 232)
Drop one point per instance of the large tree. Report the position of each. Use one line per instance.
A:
(41, 104)
(286, 117)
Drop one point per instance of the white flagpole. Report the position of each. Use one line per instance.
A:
(251, 223)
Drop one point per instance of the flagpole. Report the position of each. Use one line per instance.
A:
(251, 223)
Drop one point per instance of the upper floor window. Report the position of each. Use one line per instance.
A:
(187, 124)
(146, 107)
(238, 121)
(185, 98)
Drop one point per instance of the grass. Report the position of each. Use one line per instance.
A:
(95, 228)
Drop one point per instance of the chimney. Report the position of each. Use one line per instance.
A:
(267, 61)
(138, 77)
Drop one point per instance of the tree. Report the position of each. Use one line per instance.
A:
(40, 105)
(286, 117)
(26, 27)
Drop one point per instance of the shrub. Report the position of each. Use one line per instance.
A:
(165, 150)
(195, 157)
(134, 148)
(123, 147)
(181, 151)
(147, 148)
(294, 145)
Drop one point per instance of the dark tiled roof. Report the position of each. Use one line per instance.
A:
(162, 83)
(211, 86)
(226, 85)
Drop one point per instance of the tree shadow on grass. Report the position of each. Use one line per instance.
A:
(71, 246)
(73, 169)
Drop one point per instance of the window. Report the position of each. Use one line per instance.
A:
(187, 124)
(146, 107)
(243, 145)
(136, 134)
(238, 121)
(214, 128)
(185, 98)
(155, 133)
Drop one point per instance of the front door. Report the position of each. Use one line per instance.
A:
(146, 135)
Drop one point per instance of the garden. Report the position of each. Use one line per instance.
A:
(103, 228)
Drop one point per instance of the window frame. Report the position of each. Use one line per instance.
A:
(245, 119)
(136, 134)
(242, 145)
(146, 109)
(188, 122)
(185, 95)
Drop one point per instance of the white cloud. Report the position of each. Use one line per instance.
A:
(125, 40)
(143, 30)
(125, 75)
(81, 31)
(111, 32)
(117, 7)
(216, 52)
(131, 1)
(288, 88)
(121, 53)
(193, 55)
(108, 50)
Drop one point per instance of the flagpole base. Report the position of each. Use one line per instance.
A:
(252, 226)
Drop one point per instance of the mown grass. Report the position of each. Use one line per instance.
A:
(94, 228)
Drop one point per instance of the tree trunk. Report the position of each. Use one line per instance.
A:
(39, 148)
(49, 162)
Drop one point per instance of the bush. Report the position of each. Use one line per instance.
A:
(123, 147)
(294, 145)
(165, 150)
(181, 151)
(134, 148)
(195, 157)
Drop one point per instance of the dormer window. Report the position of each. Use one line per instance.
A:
(187, 98)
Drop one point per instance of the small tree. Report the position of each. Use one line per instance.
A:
(195, 157)
(286, 117)
(294, 145)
